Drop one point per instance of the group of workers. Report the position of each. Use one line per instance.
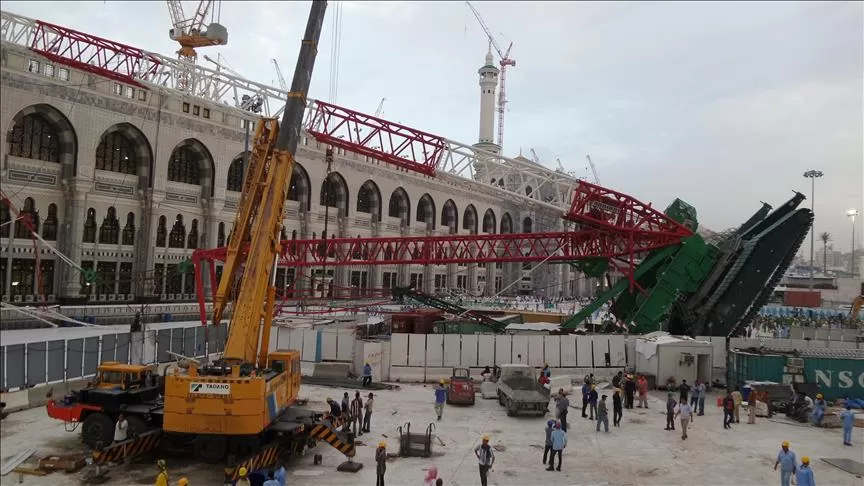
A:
(356, 415)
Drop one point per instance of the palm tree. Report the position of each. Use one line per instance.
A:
(825, 237)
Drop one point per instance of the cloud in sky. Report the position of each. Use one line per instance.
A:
(721, 104)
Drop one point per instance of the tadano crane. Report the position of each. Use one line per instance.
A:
(504, 61)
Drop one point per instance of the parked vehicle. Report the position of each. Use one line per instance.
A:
(461, 387)
(519, 390)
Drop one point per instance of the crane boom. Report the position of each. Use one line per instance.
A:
(260, 216)
(593, 169)
(282, 83)
(380, 107)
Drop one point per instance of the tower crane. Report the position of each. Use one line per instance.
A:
(282, 83)
(190, 32)
(593, 169)
(380, 108)
(504, 62)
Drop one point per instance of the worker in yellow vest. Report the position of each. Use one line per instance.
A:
(162, 477)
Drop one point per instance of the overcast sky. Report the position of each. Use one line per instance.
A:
(721, 104)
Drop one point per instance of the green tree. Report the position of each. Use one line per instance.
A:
(825, 237)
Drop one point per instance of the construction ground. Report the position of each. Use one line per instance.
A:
(639, 452)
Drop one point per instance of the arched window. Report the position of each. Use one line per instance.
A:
(506, 223)
(450, 216)
(220, 235)
(161, 232)
(109, 232)
(334, 193)
(192, 239)
(178, 233)
(129, 230)
(527, 225)
(235, 175)
(298, 188)
(34, 137)
(489, 223)
(27, 211)
(49, 229)
(90, 227)
(400, 206)
(426, 211)
(5, 220)
(117, 154)
(369, 200)
(183, 166)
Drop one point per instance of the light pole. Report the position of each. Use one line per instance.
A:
(852, 213)
(812, 175)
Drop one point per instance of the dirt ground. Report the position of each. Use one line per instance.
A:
(639, 452)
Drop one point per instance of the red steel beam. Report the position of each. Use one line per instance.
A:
(442, 250)
(93, 54)
(395, 144)
(598, 207)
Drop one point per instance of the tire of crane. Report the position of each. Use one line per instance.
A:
(135, 426)
(511, 408)
(243, 445)
(210, 448)
(97, 430)
(500, 398)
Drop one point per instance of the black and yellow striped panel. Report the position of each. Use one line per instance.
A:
(265, 458)
(128, 449)
(323, 433)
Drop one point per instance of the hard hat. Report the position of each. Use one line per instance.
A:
(442, 381)
(485, 438)
(785, 443)
(382, 444)
(161, 464)
(805, 460)
(818, 395)
(328, 399)
(242, 472)
(182, 482)
(593, 387)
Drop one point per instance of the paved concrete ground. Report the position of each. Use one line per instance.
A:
(640, 452)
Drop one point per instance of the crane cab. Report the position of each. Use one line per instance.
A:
(113, 375)
(280, 361)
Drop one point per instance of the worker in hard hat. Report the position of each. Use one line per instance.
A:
(380, 462)
(162, 477)
(243, 479)
(786, 461)
(440, 397)
(804, 476)
(818, 410)
(485, 457)
(848, 420)
(182, 482)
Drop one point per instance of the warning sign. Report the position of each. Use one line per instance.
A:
(210, 388)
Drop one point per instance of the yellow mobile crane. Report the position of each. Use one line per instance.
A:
(232, 406)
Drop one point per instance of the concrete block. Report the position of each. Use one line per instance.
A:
(399, 350)
(19, 400)
(409, 374)
(331, 370)
(488, 390)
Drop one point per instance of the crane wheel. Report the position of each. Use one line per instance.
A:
(243, 446)
(210, 448)
(136, 425)
(97, 431)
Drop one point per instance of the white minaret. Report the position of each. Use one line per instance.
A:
(488, 85)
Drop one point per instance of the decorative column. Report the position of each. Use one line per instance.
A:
(145, 238)
(71, 236)
(204, 241)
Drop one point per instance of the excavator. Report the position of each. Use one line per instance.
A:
(244, 402)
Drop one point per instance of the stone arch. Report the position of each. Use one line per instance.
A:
(527, 225)
(334, 193)
(369, 200)
(300, 188)
(506, 223)
(400, 206)
(426, 211)
(191, 163)
(490, 223)
(125, 149)
(469, 219)
(63, 139)
(236, 172)
(450, 216)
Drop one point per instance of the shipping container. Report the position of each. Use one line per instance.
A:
(839, 373)
(802, 298)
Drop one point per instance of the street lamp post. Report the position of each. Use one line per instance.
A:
(812, 175)
(852, 213)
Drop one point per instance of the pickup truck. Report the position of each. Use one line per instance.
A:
(519, 390)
